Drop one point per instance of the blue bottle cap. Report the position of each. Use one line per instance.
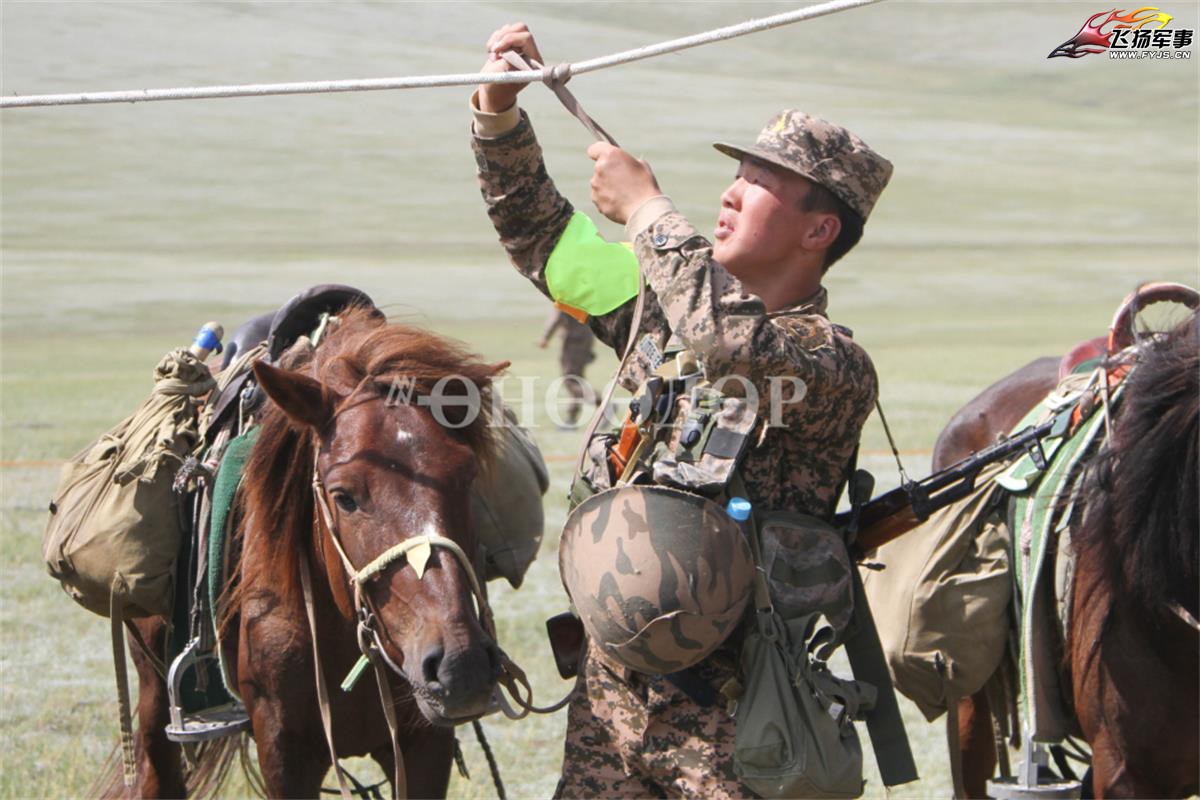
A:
(738, 509)
(207, 338)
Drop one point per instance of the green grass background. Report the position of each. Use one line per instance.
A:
(1030, 196)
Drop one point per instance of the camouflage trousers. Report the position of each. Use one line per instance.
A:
(645, 737)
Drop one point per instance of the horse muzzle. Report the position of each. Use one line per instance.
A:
(458, 686)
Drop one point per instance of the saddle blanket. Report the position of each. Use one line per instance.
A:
(1043, 505)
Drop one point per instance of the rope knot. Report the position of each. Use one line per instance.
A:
(556, 75)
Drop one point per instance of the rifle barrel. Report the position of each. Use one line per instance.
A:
(891, 514)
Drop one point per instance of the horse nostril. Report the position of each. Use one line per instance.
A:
(431, 663)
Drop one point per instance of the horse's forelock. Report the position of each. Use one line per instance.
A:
(1142, 518)
(364, 355)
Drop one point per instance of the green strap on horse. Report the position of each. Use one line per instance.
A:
(229, 478)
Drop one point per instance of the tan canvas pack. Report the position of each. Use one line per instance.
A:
(115, 527)
(506, 504)
(943, 596)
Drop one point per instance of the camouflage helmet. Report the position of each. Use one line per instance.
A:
(660, 577)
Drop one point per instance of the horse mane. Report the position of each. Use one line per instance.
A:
(361, 357)
(1141, 496)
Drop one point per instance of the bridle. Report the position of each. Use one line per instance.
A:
(416, 551)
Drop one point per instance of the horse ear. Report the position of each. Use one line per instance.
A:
(303, 399)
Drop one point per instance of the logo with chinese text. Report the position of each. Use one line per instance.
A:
(1137, 34)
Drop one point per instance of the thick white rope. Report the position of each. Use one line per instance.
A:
(427, 81)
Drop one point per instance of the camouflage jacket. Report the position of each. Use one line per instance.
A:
(796, 466)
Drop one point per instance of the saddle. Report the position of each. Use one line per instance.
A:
(506, 506)
(202, 705)
(1087, 350)
(274, 333)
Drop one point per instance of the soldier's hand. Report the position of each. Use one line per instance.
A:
(495, 97)
(620, 182)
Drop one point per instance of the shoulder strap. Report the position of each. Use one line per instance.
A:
(635, 324)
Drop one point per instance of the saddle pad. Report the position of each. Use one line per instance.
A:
(1040, 517)
(229, 478)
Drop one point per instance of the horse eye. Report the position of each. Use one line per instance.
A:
(345, 502)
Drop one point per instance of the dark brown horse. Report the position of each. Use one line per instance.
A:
(1133, 655)
(387, 472)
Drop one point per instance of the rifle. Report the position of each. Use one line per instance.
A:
(897, 512)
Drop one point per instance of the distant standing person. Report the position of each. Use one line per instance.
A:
(576, 354)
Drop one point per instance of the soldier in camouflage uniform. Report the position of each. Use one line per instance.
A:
(576, 354)
(750, 304)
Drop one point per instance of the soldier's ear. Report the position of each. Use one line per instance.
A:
(823, 232)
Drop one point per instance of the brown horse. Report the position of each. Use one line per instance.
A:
(1133, 655)
(386, 472)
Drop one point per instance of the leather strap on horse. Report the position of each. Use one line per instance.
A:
(116, 615)
(322, 688)
(953, 742)
(400, 782)
(954, 746)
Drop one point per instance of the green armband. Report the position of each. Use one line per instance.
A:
(588, 273)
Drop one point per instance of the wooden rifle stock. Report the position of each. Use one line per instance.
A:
(619, 455)
(883, 519)
(897, 512)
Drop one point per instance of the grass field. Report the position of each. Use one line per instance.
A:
(1030, 196)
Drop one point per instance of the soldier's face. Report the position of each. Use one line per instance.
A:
(761, 226)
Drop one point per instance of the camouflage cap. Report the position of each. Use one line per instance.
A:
(825, 153)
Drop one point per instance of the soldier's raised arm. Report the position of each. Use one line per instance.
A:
(556, 247)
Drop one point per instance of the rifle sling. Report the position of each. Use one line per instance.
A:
(865, 653)
(884, 724)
